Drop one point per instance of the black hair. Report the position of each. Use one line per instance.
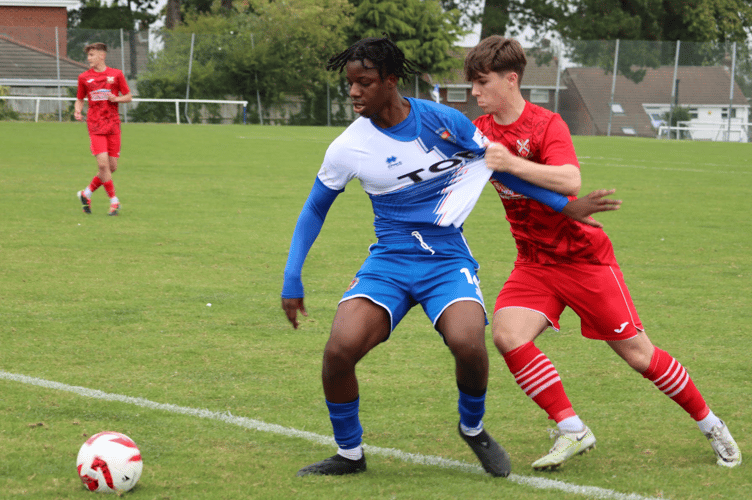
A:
(384, 53)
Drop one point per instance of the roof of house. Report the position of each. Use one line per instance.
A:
(535, 76)
(698, 86)
(39, 3)
(20, 61)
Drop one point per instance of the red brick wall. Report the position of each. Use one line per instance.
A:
(35, 26)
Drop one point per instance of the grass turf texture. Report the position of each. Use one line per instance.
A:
(119, 304)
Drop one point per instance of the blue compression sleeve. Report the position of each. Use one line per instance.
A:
(554, 200)
(308, 227)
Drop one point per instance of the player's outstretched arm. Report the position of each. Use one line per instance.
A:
(582, 208)
(309, 224)
(291, 308)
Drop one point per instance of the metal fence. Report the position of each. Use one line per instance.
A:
(615, 87)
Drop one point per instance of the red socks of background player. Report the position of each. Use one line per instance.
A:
(672, 379)
(109, 186)
(95, 183)
(538, 378)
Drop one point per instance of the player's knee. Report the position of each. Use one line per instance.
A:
(507, 340)
(469, 351)
(344, 350)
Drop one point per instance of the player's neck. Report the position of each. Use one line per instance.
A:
(99, 68)
(391, 115)
(510, 112)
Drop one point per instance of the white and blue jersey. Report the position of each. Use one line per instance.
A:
(429, 169)
(423, 177)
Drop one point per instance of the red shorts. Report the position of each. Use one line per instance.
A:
(109, 144)
(597, 294)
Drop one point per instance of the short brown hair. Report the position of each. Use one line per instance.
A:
(96, 46)
(495, 53)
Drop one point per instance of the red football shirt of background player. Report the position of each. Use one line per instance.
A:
(103, 88)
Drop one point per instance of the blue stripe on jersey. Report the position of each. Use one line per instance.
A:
(420, 203)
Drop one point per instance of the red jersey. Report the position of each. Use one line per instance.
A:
(102, 117)
(542, 235)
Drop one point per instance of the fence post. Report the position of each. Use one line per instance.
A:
(557, 50)
(57, 60)
(188, 82)
(673, 91)
(613, 88)
(731, 93)
(258, 95)
(122, 65)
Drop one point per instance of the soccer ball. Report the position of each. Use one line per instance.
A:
(109, 462)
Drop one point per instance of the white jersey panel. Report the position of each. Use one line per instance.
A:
(434, 177)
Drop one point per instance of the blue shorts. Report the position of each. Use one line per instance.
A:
(433, 271)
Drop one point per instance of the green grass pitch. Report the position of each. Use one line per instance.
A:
(120, 305)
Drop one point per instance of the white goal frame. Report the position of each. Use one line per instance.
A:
(739, 132)
(177, 102)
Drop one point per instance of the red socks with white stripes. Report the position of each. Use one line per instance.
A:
(538, 378)
(672, 379)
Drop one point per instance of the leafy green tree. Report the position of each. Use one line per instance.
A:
(471, 11)
(676, 115)
(700, 20)
(587, 22)
(421, 28)
(6, 112)
(495, 18)
(268, 47)
(98, 22)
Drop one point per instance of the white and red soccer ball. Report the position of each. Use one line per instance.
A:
(109, 462)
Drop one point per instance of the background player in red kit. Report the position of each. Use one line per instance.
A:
(104, 88)
(562, 262)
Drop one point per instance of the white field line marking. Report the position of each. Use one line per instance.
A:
(607, 162)
(258, 425)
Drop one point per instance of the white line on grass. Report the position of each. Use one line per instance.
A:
(258, 425)
(604, 162)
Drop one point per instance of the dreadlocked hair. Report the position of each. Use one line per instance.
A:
(382, 52)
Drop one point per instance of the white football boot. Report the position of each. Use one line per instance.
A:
(566, 445)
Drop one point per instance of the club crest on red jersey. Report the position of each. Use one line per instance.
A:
(523, 147)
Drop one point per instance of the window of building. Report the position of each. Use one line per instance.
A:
(724, 113)
(657, 115)
(693, 113)
(456, 95)
(629, 131)
(538, 96)
(617, 109)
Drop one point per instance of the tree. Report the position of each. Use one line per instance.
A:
(495, 18)
(97, 21)
(471, 11)
(587, 22)
(266, 46)
(172, 10)
(670, 20)
(421, 28)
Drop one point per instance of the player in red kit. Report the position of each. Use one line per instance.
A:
(561, 262)
(104, 88)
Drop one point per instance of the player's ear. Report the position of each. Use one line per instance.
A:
(391, 81)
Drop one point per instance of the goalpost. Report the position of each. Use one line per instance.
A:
(39, 99)
(720, 132)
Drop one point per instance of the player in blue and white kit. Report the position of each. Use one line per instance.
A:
(422, 165)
